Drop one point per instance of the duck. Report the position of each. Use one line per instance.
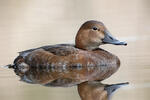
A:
(65, 65)
(94, 90)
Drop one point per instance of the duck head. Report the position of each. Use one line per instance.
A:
(92, 34)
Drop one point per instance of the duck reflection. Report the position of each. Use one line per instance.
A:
(97, 91)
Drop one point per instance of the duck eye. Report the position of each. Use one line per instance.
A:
(94, 28)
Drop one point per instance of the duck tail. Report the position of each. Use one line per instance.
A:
(9, 66)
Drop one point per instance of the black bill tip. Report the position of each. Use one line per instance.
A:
(120, 43)
(125, 44)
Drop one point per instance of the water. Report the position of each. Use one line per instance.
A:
(33, 23)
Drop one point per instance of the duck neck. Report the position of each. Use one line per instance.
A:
(89, 48)
(84, 44)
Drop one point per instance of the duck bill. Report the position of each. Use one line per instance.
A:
(113, 87)
(109, 39)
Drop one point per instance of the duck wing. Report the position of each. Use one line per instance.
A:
(51, 65)
(59, 49)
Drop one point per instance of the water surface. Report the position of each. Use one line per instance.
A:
(33, 23)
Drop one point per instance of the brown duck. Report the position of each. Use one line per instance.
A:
(68, 65)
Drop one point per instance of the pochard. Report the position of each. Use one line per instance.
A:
(67, 65)
(94, 90)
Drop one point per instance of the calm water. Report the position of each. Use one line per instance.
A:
(33, 23)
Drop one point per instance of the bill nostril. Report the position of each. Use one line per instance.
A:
(111, 38)
(113, 90)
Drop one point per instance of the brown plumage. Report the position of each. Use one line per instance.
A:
(68, 65)
(97, 91)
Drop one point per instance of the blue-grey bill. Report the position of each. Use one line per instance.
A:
(109, 39)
